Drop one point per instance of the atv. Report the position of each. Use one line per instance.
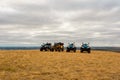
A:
(71, 47)
(46, 47)
(85, 47)
(58, 47)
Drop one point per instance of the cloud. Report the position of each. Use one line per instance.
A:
(34, 22)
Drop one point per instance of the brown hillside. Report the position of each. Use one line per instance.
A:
(36, 65)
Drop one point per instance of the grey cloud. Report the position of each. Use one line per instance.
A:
(32, 23)
(80, 4)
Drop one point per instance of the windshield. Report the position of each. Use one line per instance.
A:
(85, 45)
(71, 45)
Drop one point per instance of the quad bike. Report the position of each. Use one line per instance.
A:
(85, 47)
(71, 47)
(58, 47)
(46, 47)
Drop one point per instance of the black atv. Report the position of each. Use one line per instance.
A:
(46, 47)
(71, 47)
(85, 47)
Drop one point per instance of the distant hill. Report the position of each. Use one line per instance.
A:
(19, 48)
(115, 49)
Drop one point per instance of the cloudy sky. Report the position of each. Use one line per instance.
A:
(32, 22)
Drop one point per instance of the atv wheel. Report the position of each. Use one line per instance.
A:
(89, 51)
(81, 51)
(74, 50)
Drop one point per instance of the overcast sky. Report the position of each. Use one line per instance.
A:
(32, 22)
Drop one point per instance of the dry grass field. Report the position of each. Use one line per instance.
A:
(36, 65)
